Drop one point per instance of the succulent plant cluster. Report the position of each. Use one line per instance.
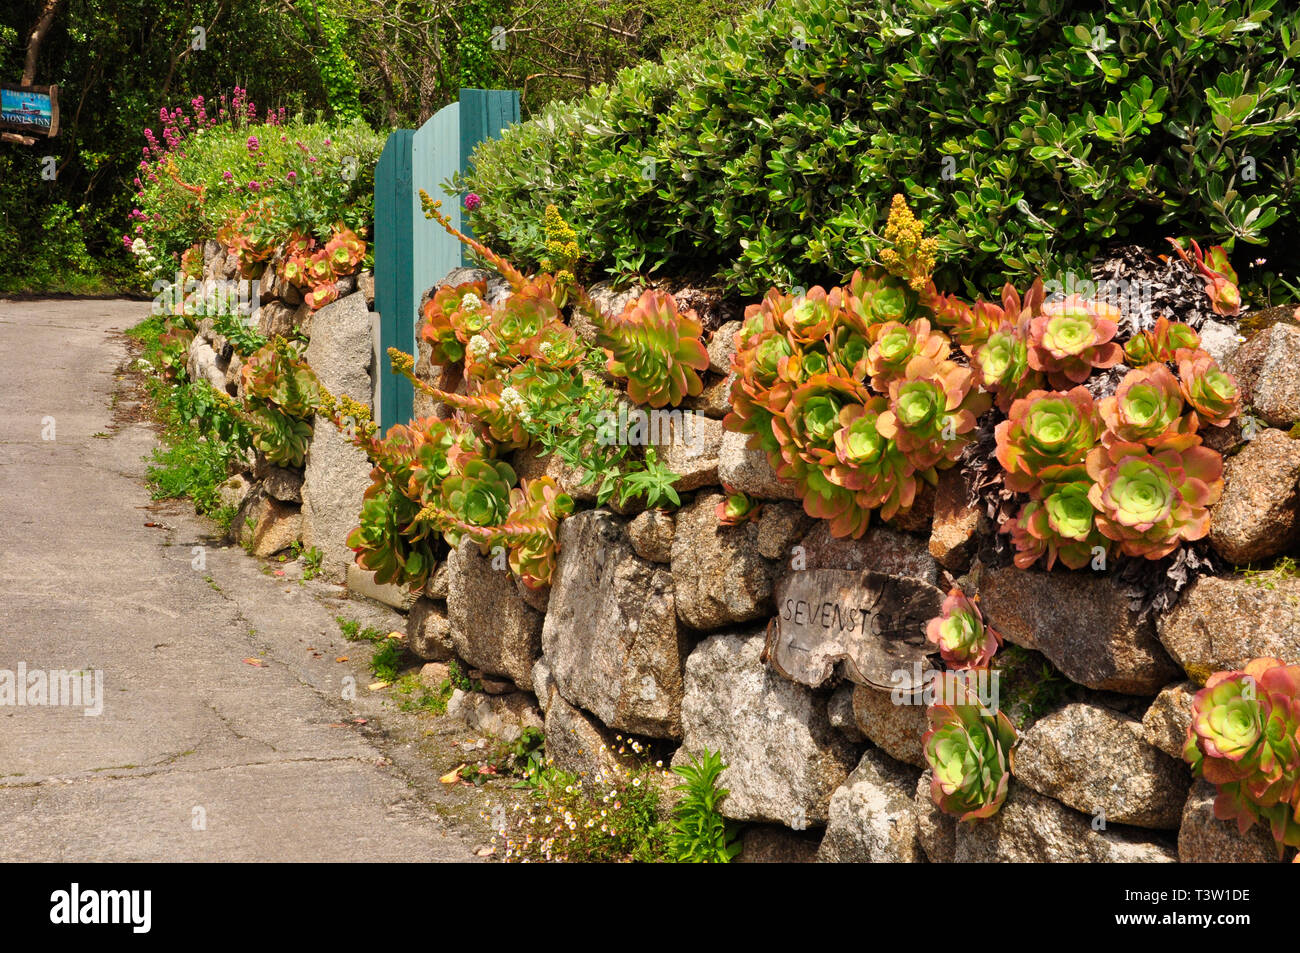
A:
(968, 746)
(314, 268)
(310, 266)
(969, 750)
(510, 372)
(411, 462)
(855, 395)
(1128, 471)
(281, 394)
(250, 236)
(852, 393)
(1245, 739)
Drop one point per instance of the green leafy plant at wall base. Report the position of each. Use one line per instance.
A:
(699, 833)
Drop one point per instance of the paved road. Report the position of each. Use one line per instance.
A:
(197, 755)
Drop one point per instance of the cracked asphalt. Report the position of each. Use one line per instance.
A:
(198, 755)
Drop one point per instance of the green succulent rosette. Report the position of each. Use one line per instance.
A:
(1001, 366)
(282, 438)
(1045, 429)
(1069, 338)
(1147, 405)
(933, 410)
(869, 463)
(1059, 522)
(477, 494)
(381, 543)
(809, 317)
(737, 508)
(964, 641)
(894, 345)
(451, 317)
(1212, 391)
(969, 751)
(1151, 499)
(1244, 738)
(657, 348)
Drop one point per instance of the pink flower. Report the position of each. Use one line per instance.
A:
(472, 201)
(253, 186)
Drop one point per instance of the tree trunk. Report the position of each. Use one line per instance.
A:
(43, 23)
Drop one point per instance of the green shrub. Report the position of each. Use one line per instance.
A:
(1037, 131)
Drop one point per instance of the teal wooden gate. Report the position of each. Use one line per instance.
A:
(412, 252)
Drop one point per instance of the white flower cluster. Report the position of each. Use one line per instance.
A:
(478, 348)
(471, 302)
(514, 404)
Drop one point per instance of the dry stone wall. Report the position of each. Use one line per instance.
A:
(316, 504)
(654, 627)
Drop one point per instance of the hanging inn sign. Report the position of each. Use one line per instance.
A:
(33, 110)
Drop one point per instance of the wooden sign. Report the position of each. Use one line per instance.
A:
(30, 109)
(871, 622)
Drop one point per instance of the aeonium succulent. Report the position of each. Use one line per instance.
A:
(806, 428)
(446, 318)
(380, 544)
(964, 640)
(876, 297)
(282, 438)
(1001, 366)
(1059, 522)
(1218, 274)
(1072, 336)
(1043, 429)
(810, 316)
(869, 463)
(521, 316)
(1150, 499)
(1147, 405)
(1212, 392)
(846, 513)
(1244, 737)
(477, 493)
(530, 531)
(969, 750)
(345, 250)
(321, 295)
(894, 345)
(932, 412)
(293, 269)
(657, 348)
(319, 268)
(1162, 343)
(737, 508)
(972, 325)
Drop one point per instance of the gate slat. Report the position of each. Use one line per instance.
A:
(411, 252)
